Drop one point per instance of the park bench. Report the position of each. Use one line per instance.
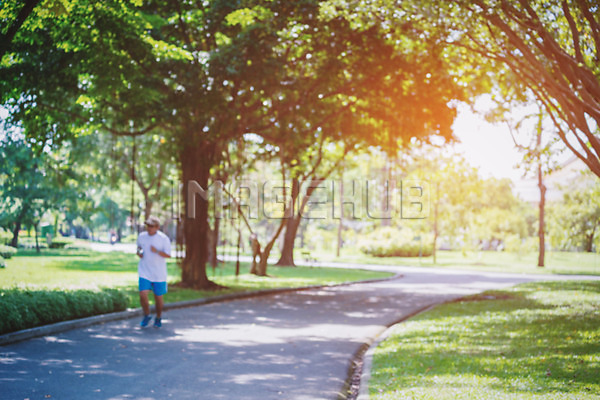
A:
(307, 256)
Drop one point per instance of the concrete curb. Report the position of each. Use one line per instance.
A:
(58, 327)
(366, 354)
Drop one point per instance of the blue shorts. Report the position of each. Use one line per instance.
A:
(159, 288)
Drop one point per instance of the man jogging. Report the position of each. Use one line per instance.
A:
(154, 247)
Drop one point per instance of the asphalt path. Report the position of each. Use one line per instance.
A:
(296, 345)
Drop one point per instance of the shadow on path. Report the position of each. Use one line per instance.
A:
(288, 346)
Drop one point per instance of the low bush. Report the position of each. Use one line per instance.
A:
(520, 246)
(23, 309)
(30, 243)
(396, 242)
(129, 239)
(7, 251)
(5, 237)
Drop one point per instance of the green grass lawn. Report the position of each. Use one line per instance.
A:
(556, 262)
(84, 269)
(534, 341)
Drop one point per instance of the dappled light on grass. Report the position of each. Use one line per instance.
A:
(288, 277)
(74, 269)
(539, 340)
(70, 269)
(499, 261)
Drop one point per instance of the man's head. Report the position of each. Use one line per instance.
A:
(152, 224)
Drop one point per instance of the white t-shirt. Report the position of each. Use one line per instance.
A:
(153, 266)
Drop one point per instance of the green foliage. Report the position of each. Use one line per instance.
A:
(305, 76)
(24, 308)
(32, 181)
(466, 209)
(5, 236)
(61, 243)
(58, 244)
(7, 251)
(521, 246)
(535, 341)
(394, 242)
(574, 222)
(499, 37)
(129, 238)
(78, 270)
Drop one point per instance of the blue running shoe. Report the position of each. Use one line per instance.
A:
(146, 320)
(157, 322)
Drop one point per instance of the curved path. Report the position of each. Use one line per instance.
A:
(288, 346)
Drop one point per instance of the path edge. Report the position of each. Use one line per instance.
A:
(51, 329)
(365, 354)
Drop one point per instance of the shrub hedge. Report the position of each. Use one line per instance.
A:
(5, 237)
(23, 309)
(396, 242)
(7, 251)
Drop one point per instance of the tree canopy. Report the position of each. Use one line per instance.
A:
(298, 75)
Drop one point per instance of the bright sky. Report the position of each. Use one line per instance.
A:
(488, 147)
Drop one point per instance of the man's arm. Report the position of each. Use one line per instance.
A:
(164, 254)
(160, 252)
(139, 247)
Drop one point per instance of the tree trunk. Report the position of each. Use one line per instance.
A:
(255, 247)
(261, 268)
(15, 240)
(214, 243)
(195, 166)
(435, 223)
(385, 197)
(239, 244)
(302, 232)
(287, 253)
(341, 221)
(37, 244)
(541, 227)
(291, 228)
(589, 243)
(148, 204)
(542, 187)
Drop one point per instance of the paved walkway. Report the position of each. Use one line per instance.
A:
(288, 346)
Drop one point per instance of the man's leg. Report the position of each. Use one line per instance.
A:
(159, 305)
(146, 307)
(160, 288)
(144, 301)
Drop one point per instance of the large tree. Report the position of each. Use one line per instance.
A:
(549, 48)
(210, 72)
(370, 90)
(517, 50)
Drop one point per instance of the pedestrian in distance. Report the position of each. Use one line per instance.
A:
(153, 249)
